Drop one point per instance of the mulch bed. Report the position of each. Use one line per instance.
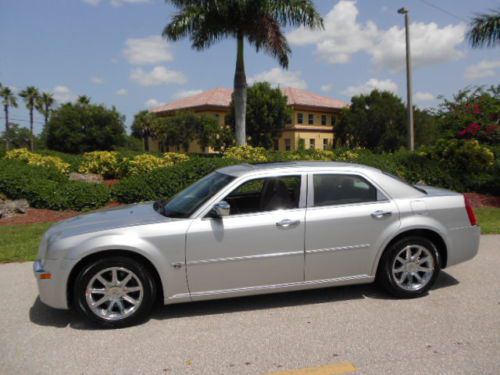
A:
(37, 215)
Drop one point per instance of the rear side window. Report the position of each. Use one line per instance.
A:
(336, 189)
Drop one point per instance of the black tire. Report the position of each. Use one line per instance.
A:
(143, 279)
(387, 279)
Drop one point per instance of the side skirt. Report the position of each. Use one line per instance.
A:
(267, 289)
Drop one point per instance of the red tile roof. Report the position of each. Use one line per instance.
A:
(221, 97)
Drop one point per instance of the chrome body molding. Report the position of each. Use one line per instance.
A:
(247, 257)
(291, 286)
(338, 248)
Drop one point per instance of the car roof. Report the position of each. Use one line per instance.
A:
(299, 166)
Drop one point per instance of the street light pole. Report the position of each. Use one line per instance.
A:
(409, 89)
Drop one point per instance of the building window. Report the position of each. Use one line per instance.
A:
(276, 144)
(325, 144)
(300, 118)
(323, 119)
(333, 120)
(312, 143)
(310, 119)
(288, 144)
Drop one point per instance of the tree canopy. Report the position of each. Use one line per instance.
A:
(267, 114)
(81, 127)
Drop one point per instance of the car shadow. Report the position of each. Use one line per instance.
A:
(45, 316)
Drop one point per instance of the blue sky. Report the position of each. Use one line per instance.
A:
(110, 50)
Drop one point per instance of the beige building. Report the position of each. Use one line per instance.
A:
(312, 123)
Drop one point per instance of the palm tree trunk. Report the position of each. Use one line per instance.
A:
(240, 94)
(31, 130)
(7, 141)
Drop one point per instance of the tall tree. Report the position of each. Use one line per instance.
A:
(142, 127)
(485, 30)
(259, 22)
(8, 100)
(30, 95)
(44, 105)
(267, 114)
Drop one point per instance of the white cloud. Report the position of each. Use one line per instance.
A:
(63, 94)
(121, 92)
(148, 50)
(370, 85)
(420, 97)
(185, 93)
(485, 68)
(97, 80)
(279, 77)
(159, 75)
(327, 87)
(115, 3)
(151, 103)
(344, 36)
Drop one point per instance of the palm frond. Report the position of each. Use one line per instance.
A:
(485, 30)
(267, 35)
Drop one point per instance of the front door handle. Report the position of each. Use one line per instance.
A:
(287, 223)
(379, 214)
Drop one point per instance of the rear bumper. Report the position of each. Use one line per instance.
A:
(464, 244)
(52, 290)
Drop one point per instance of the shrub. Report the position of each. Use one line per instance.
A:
(175, 157)
(145, 163)
(249, 153)
(30, 158)
(47, 188)
(106, 163)
(165, 182)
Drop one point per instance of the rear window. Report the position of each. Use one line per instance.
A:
(337, 189)
(405, 182)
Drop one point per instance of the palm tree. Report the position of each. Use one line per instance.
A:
(142, 127)
(485, 30)
(8, 100)
(30, 95)
(44, 105)
(260, 22)
(83, 100)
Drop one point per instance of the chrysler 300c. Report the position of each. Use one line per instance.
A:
(254, 229)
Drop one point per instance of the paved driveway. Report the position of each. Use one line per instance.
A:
(453, 330)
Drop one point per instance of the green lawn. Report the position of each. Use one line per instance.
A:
(19, 243)
(489, 220)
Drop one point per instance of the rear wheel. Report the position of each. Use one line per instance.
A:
(114, 292)
(409, 267)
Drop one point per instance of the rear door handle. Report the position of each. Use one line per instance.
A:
(287, 223)
(379, 214)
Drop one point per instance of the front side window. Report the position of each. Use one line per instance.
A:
(265, 194)
(336, 189)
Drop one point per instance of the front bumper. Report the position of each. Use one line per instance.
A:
(52, 289)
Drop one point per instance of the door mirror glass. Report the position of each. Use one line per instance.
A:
(221, 209)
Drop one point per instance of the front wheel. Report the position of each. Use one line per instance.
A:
(114, 292)
(409, 267)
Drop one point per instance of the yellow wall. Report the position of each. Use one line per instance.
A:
(294, 131)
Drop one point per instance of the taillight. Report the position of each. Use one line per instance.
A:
(470, 211)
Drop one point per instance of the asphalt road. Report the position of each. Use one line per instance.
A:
(453, 330)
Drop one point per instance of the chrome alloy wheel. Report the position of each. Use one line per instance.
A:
(114, 293)
(413, 267)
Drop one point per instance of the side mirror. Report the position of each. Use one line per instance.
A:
(221, 209)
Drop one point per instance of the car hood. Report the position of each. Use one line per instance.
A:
(111, 218)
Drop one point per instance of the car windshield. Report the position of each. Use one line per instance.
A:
(185, 203)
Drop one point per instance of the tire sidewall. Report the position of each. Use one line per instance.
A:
(91, 269)
(387, 277)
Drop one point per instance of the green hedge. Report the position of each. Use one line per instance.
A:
(163, 183)
(46, 188)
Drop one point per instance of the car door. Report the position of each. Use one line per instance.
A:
(347, 218)
(260, 245)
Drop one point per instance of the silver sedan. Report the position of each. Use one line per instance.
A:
(255, 229)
